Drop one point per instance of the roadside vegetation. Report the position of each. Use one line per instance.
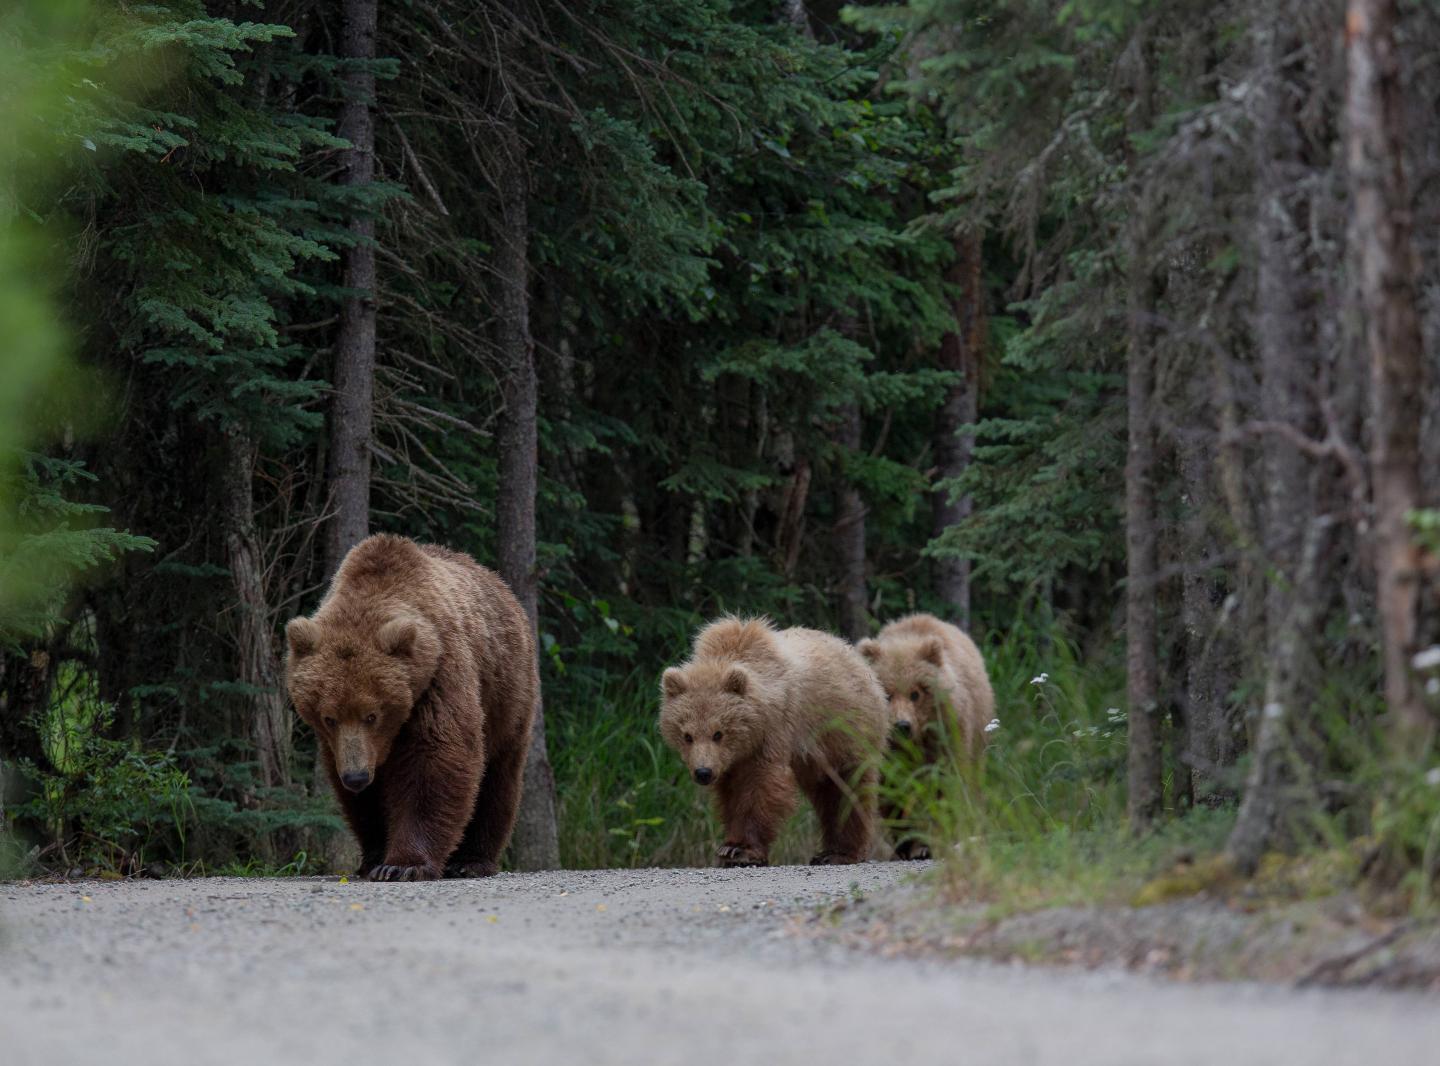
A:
(1109, 329)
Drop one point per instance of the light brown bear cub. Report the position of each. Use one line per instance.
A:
(930, 668)
(418, 674)
(756, 712)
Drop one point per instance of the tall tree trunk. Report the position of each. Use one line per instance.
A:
(854, 619)
(735, 428)
(1265, 803)
(536, 843)
(793, 12)
(350, 411)
(1145, 795)
(961, 352)
(347, 454)
(790, 510)
(1285, 337)
(1142, 672)
(1209, 736)
(1381, 227)
(257, 658)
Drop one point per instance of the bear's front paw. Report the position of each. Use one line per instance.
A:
(741, 855)
(912, 850)
(471, 869)
(399, 872)
(834, 858)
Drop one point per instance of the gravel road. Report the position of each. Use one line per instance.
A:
(591, 968)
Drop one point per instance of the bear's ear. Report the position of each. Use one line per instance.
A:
(869, 648)
(672, 683)
(737, 681)
(932, 652)
(398, 636)
(303, 636)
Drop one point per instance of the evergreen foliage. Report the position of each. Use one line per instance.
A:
(47, 537)
(742, 244)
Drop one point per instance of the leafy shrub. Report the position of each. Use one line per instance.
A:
(104, 803)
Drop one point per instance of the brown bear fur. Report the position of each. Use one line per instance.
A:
(928, 668)
(765, 711)
(418, 674)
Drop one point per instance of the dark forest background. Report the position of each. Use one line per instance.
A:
(1107, 328)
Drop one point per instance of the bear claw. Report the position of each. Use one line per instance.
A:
(472, 869)
(393, 872)
(912, 850)
(737, 855)
(833, 858)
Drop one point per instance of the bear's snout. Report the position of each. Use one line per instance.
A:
(904, 728)
(704, 775)
(355, 780)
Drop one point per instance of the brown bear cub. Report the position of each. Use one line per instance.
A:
(418, 674)
(756, 712)
(930, 668)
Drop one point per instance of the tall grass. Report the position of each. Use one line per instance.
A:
(1375, 805)
(1041, 817)
(1054, 770)
(626, 800)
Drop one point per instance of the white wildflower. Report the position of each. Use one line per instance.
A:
(992, 725)
(1114, 714)
(1432, 778)
(1274, 711)
(1428, 659)
(1040, 679)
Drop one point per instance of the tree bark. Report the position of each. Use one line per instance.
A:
(26, 678)
(1381, 227)
(961, 352)
(790, 526)
(1145, 794)
(351, 413)
(535, 845)
(736, 429)
(1210, 741)
(257, 658)
(849, 533)
(1292, 533)
(1143, 768)
(1265, 803)
(793, 12)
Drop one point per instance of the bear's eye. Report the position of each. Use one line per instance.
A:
(689, 739)
(717, 736)
(370, 719)
(329, 722)
(914, 695)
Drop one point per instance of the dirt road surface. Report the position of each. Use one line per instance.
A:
(591, 968)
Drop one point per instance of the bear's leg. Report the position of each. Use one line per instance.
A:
(906, 845)
(364, 812)
(911, 849)
(754, 802)
(429, 797)
(495, 809)
(846, 814)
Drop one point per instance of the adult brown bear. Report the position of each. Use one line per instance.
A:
(418, 674)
